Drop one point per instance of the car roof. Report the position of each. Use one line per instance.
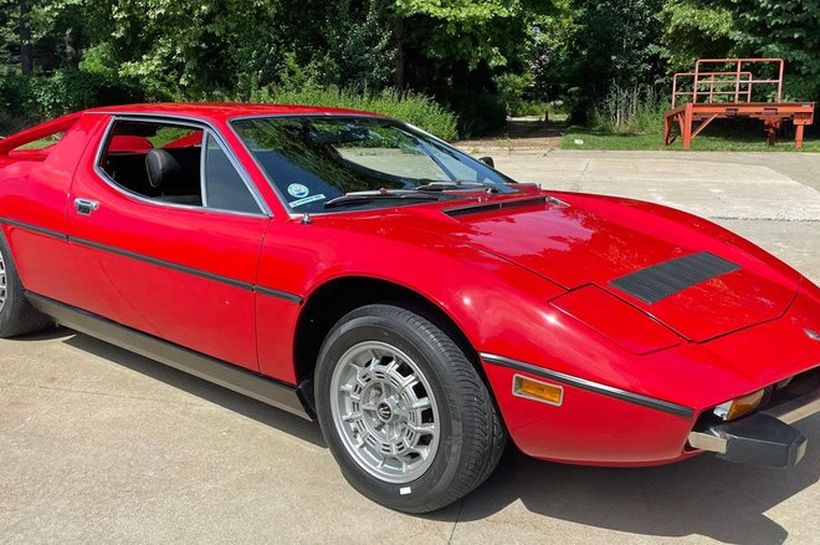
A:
(224, 111)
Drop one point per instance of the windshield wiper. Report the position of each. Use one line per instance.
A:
(357, 197)
(436, 185)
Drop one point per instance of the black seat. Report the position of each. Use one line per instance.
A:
(175, 175)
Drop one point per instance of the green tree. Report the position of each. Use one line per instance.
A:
(789, 29)
(57, 55)
(465, 33)
(694, 29)
(589, 46)
(358, 46)
(786, 28)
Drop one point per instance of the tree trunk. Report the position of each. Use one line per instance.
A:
(26, 47)
(70, 49)
(398, 34)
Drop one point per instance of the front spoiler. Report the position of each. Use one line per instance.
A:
(764, 438)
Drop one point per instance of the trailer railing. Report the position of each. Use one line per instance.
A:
(712, 82)
(710, 85)
(731, 89)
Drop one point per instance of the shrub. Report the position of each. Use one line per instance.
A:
(477, 112)
(18, 107)
(630, 110)
(511, 88)
(417, 109)
(27, 100)
(70, 90)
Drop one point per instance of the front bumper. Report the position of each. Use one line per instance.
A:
(602, 429)
(764, 438)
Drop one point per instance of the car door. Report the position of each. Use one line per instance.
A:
(181, 248)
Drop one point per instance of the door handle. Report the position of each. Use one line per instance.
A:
(85, 206)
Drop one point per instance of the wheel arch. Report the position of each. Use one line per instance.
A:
(330, 301)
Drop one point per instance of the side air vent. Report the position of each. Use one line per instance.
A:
(664, 279)
(498, 205)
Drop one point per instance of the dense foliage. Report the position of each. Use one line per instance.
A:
(408, 106)
(481, 59)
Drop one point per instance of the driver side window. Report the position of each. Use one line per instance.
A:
(175, 164)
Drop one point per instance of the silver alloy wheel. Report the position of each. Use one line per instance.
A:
(2, 282)
(385, 412)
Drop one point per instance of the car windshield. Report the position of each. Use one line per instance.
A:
(371, 162)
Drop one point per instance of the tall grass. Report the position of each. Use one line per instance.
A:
(417, 109)
(630, 110)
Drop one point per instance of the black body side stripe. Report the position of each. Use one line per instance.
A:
(162, 263)
(279, 294)
(34, 228)
(584, 384)
(292, 297)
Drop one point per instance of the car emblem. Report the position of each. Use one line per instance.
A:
(298, 190)
(384, 411)
(812, 334)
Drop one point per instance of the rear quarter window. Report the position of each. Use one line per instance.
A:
(36, 143)
(42, 143)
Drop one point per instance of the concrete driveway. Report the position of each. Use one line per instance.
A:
(98, 445)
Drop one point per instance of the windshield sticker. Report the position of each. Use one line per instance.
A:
(306, 200)
(298, 190)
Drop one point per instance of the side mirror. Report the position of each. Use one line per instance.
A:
(487, 161)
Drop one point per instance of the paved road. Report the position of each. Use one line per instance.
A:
(98, 445)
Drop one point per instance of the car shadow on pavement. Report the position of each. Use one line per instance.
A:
(702, 496)
(265, 414)
(48, 334)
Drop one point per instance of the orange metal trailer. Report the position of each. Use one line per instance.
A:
(731, 94)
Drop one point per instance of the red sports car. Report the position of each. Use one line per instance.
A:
(419, 304)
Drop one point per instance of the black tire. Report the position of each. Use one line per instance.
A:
(17, 316)
(472, 436)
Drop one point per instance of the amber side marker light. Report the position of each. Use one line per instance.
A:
(537, 390)
(734, 409)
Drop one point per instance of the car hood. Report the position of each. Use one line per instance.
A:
(725, 284)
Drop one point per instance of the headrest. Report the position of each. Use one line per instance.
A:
(161, 167)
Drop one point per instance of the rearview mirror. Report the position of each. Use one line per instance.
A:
(487, 161)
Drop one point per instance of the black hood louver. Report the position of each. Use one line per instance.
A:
(654, 283)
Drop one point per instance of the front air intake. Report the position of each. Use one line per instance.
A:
(497, 205)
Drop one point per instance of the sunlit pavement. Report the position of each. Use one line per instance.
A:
(98, 445)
